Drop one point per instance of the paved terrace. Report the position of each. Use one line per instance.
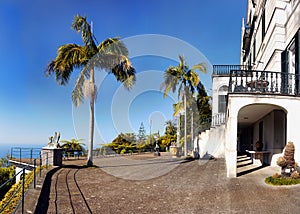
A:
(144, 184)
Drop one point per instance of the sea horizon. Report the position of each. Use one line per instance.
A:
(5, 149)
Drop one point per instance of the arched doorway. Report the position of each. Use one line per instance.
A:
(264, 123)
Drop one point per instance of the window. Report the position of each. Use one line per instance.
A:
(222, 99)
(222, 103)
(263, 24)
(254, 50)
(291, 57)
(290, 66)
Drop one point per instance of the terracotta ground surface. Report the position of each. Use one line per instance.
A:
(144, 184)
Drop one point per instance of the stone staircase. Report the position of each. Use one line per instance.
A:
(211, 141)
(245, 165)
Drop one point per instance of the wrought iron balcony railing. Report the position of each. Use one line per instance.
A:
(224, 70)
(269, 82)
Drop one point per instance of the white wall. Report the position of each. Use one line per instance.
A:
(18, 169)
(282, 20)
(218, 82)
(212, 142)
(293, 20)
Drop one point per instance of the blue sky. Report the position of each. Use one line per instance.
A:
(33, 107)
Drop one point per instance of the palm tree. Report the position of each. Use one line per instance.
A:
(73, 144)
(183, 80)
(110, 55)
(170, 134)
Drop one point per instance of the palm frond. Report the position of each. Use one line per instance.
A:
(80, 24)
(78, 92)
(129, 82)
(201, 67)
(167, 89)
(125, 73)
(113, 46)
(68, 57)
(193, 78)
(171, 79)
(181, 62)
(178, 107)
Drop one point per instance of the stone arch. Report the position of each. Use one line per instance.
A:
(264, 123)
(239, 103)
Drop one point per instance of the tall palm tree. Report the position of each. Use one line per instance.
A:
(110, 55)
(184, 80)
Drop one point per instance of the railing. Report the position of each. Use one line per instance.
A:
(20, 188)
(22, 153)
(213, 121)
(268, 82)
(24, 183)
(224, 70)
(218, 119)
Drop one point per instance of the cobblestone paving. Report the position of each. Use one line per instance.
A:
(185, 187)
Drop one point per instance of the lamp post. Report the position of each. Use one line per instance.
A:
(156, 153)
(150, 134)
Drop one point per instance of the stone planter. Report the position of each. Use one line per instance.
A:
(173, 150)
(52, 156)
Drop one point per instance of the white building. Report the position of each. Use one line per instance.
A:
(259, 100)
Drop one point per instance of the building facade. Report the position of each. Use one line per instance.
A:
(260, 98)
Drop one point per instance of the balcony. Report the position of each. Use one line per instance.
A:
(224, 70)
(267, 82)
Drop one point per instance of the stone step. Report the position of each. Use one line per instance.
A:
(247, 169)
(241, 156)
(244, 163)
(243, 159)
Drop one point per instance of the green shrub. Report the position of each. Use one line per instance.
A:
(279, 181)
(5, 174)
(15, 192)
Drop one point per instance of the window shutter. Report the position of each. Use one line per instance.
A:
(297, 62)
(297, 57)
(284, 71)
(284, 61)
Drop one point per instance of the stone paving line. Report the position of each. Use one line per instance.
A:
(125, 186)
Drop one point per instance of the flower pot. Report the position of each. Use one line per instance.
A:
(173, 150)
(259, 146)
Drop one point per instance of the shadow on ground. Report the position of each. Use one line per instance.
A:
(43, 200)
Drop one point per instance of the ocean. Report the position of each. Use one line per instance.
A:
(5, 149)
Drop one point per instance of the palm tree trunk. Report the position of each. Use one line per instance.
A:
(92, 112)
(178, 131)
(185, 145)
(192, 130)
